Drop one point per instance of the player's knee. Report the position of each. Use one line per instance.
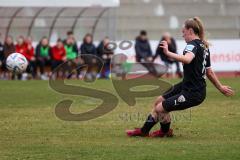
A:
(159, 108)
(158, 100)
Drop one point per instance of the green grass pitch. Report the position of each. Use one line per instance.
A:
(29, 129)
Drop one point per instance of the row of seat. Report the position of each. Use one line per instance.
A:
(179, 1)
(180, 9)
(155, 34)
(221, 17)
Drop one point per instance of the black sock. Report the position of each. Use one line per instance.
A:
(149, 123)
(165, 127)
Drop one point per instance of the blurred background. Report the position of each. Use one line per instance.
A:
(119, 19)
(114, 21)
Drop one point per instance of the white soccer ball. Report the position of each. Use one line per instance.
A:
(16, 62)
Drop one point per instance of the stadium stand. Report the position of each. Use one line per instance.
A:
(220, 16)
(121, 22)
(124, 22)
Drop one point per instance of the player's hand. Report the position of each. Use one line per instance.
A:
(104, 56)
(153, 59)
(149, 59)
(227, 91)
(164, 46)
(64, 59)
(94, 60)
(29, 46)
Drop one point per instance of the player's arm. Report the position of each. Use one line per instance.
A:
(186, 59)
(226, 90)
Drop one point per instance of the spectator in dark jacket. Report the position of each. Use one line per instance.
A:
(142, 48)
(105, 54)
(144, 53)
(8, 48)
(88, 48)
(43, 53)
(1, 57)
(1, 53)
(172, 47)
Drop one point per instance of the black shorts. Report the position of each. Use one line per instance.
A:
(180, 99)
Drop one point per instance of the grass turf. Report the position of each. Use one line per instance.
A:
(30, 130)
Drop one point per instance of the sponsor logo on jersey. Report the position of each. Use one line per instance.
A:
(189, 48)
(181, 99)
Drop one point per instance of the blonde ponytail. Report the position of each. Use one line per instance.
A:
(198, 28)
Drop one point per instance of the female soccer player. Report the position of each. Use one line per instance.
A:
(192, 90)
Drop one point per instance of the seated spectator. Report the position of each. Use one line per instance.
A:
(20, 47)
(8, 48)
(88, 48)
(71, 54)
(24, 46)
(43, 56)
(105, 53)
(172, 47)
(143, 48)
(71, 49)
(144, 53)
(58, 54)
(1, 57)
(29, 54)
(70, 35)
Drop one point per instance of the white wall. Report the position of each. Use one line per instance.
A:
(59, 3)
(225, 54)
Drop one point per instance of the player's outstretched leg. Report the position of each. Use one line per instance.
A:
(157, 114)
(165, 121)
(144, 131)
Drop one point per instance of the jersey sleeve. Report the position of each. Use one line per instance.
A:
(191, 47)
(208, 60)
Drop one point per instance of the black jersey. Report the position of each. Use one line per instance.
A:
(195, 72)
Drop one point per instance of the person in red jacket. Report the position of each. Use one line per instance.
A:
(24, 46)
(29, 54)
(20, 47)
(58, 54)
